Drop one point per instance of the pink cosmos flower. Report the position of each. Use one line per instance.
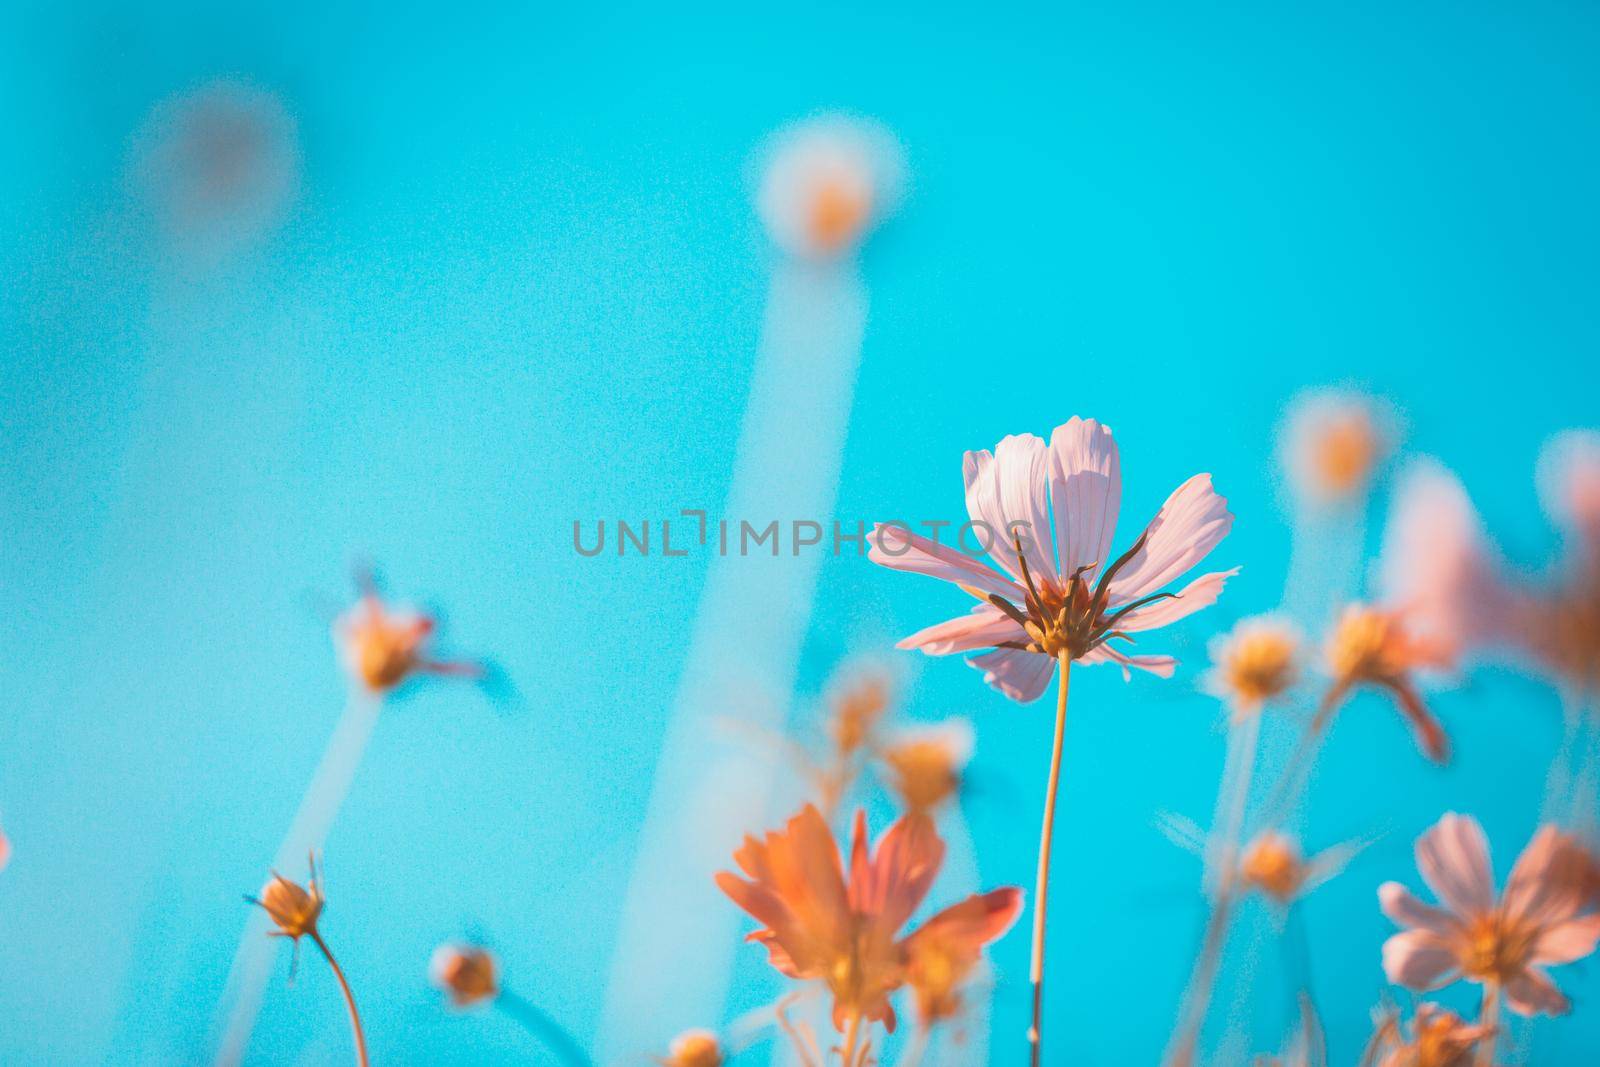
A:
(1438, 567)
(1569, 483)
(1049, 512)
(1542, 918)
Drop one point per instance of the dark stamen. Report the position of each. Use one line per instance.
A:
(1010, 609)
(1111, 621)
(1101, 590)
(1036, 604)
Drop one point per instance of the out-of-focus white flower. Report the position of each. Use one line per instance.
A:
(1569, 481)
(1333, 442)
(827, 182)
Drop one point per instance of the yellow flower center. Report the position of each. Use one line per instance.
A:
(1496, 949)
(696, 1048)
(1344, 452)
(925, 772)
(838, 211)
(1359, 648)
(1272, 864)
(1259, 666)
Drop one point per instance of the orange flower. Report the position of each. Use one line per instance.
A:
(858, 704)
(925, 766)
(293, 908)
(1374, 647)
(383, 648)
(942, 956)
(466, 973)
(846, 933)
(1438, 1039)
(694, 1048)
(1272, 863)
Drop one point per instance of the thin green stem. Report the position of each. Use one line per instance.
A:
(1042, 885)
(349, 998)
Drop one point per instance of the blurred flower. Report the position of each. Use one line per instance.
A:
(694, 1048)
(1438, 1039)
(1577, 865)
(382, 648)
(1037, 611)
(943, 956)
(5, 851)
(1560, 629)
(1568, 476)
(294, 908)
(220, 165)
(925, 765)
(1438, 568)
(857, 705)
(818, 925)
(1256, 662)
(1272, 863)
(1376, 647)
(1332, 444)
(467, 974)
(1539, 920)
(827, 182)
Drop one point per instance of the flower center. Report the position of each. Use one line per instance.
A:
(1072, 620)
(1359, 646)
(1261, 667)
(1496, 949)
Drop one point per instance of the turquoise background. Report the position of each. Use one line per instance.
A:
(523, 284)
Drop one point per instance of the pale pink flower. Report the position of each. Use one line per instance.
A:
(1568, 475)
(1560, 624)
(1044, 600)
(1438, 568)
(1540, 919)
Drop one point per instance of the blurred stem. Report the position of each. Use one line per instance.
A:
(1295, 772)
(852, 1041)
(917, 1045)
(1207, 963)
(1489, 1015)
(1558, 783)
(544, 1028)
(1204, 978)
(1042, 886)
(349, 998)
(809, 1057)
